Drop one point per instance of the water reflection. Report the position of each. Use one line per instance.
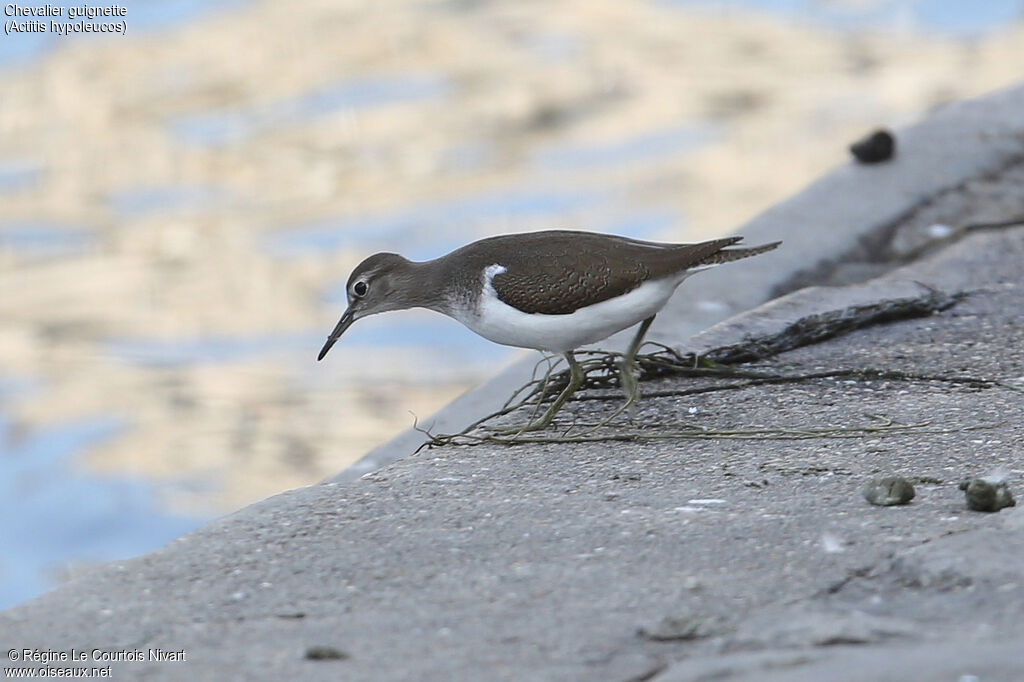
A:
(234, 125)
(206, 350)
(51, 511)
(138, 201)
(18, 175)
(950, 17)
(636, 149)
(47, 239)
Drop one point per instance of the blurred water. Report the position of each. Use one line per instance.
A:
(55, 517)
(205, 350)
(137, 201)
(17, 175)
(384, 333)
(944, 17)
(49, 239)
(647, 146)
(553, 47)
(233, 125)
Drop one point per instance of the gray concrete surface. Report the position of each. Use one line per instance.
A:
(740, 557)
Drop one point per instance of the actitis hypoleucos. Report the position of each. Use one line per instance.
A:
(553, 291)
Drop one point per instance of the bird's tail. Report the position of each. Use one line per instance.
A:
(729, 255)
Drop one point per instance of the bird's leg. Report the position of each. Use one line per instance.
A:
(576, 378)
(627, 372)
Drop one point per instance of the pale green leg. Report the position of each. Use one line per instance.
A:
(627, 373)
(576, 378)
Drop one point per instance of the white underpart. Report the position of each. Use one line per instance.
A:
(501, 323)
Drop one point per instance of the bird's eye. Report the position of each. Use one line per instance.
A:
(360, 289)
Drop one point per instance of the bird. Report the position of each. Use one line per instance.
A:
(552, 291)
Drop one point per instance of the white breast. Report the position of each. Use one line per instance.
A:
(501, 323)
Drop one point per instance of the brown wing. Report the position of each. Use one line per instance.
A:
(564, 280)
(577, 269)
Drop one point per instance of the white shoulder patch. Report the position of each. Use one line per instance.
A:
(490, 272)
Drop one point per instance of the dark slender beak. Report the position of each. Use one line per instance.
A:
(344, 323)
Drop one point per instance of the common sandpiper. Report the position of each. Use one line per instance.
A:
(551, 291)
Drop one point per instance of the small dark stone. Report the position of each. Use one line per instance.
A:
(877, 147)
(888, 491)
(987, 495)
(671, 629)
(325, 653)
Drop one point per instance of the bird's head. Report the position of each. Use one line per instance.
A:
(377, 285)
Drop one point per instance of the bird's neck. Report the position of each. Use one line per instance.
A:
(424, 285)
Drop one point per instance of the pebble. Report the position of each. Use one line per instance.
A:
(877, 147)
(680, 629)
(987, 495)
(888, 491)
(325, 653)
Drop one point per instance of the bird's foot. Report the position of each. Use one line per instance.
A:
(630, 385)
(576, 380)
(628, 372)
